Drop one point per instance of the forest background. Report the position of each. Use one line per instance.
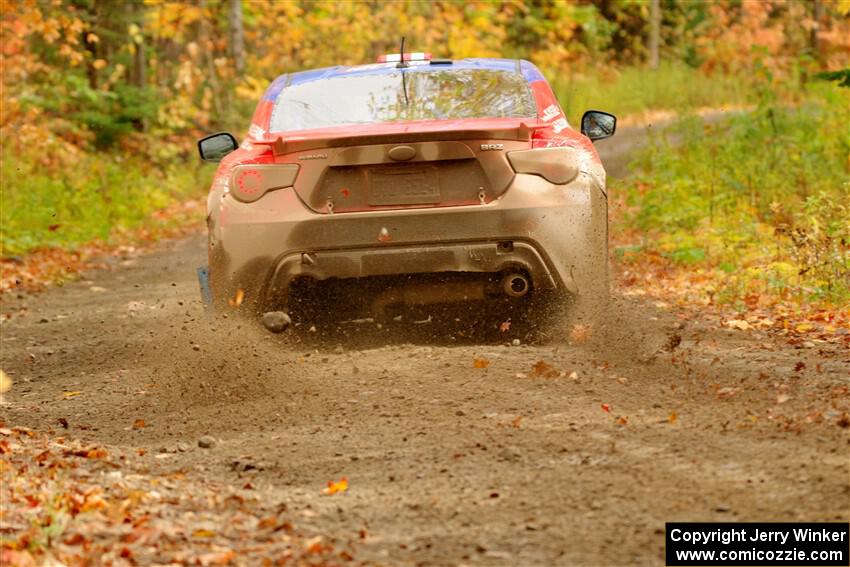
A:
(102, 102)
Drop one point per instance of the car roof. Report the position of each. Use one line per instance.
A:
(521, 66)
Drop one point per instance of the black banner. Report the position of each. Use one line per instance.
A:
(761, 544)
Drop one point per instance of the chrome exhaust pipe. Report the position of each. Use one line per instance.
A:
(515, 284)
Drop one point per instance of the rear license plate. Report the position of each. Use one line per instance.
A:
(404, 186)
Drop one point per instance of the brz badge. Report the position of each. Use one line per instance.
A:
(492, 147)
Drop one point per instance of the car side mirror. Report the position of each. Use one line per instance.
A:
(216, 146)
(597, 125)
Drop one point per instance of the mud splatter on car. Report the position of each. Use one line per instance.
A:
(421, 181)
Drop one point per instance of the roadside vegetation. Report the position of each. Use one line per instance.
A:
(635, 91)
(752, 210)
(91, 198)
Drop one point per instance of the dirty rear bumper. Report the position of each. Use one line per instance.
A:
(556, 234)
(486, 257)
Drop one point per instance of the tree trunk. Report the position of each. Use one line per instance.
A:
(817, 14)
(92, 47)
(237, 36)
(654, 32)
(140, 66)
(140, 59)
(207, 54)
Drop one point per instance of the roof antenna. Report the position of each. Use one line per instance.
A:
(401, 62)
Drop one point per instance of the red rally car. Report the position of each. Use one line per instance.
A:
(421, 181)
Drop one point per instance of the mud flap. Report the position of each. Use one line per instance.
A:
(206, 293)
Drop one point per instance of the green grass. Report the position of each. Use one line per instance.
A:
(762, 197)
(93, 198)
(633, 90)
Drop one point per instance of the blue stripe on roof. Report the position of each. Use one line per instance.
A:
(274, 89)
(528, 70)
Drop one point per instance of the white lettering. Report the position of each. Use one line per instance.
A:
(559, 125)
(550, 112)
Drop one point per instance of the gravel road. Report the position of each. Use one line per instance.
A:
(459, 447)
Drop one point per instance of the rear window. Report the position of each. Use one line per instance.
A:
(432, 94)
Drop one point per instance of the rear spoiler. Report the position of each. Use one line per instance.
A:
(522, 131)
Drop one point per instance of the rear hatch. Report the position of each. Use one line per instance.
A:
(397, 166)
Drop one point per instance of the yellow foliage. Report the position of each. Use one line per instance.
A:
(250, 88)
(783, 269)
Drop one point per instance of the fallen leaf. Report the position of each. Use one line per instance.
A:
(313, 545)
(516, 421)
(782, 398)
(335, 487)
(67, 395)
(201, 532)
(21, 558)
(237, 299)
(804, 327)
(544, 369)
(5, 382)
(622, 421)
(96, 454)
(580, 333)
(505, 326)
(800, 366)
(268, 522)
(672, 417)
(217, 557)
(573, 375)
(726, 392)
(138, 424)
(739, 324)
(673, 341)
(75, 539)
(606, 408)
(480, 363)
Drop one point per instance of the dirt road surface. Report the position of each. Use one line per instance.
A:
(459, 447)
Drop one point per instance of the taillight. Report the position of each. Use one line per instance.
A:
(250, 182)
(555, 165)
